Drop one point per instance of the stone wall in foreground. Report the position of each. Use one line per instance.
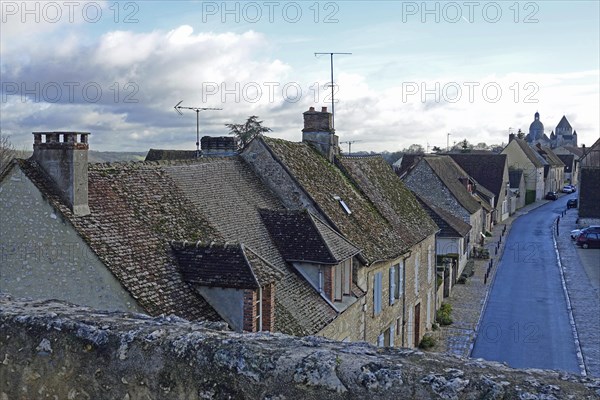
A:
(58, 351)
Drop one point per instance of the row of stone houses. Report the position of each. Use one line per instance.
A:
(284, 236)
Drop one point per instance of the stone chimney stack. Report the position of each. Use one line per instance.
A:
(318, 131)
(219, 146)
(64, 157)
(511, 137)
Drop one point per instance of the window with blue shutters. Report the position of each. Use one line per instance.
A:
(377, 292)
(392, 284)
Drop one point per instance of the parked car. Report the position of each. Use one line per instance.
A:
(568, 189)
(588, 239)
(591, 229)
(572, 203)
(552, 196)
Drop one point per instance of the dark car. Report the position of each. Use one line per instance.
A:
(572, 203)
(588, 239)
(552, 196)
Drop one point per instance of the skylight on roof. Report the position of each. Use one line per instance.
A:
(343, 204)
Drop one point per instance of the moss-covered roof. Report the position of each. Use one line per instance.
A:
(372, 225)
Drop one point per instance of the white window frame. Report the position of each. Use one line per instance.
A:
(400, 277)
(428, 322)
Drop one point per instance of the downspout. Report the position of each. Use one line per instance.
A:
(404, 294)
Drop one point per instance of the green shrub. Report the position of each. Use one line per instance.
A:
(443, 315)
(435, 326)
(427, 343)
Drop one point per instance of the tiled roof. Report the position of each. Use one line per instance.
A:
(223, 265)
(135, 211)
(449, 225)
(164, 155)
(230, 195)
(575, 150)
(514, 177)
(450, 174)
(391, 197)
(300, 236)
(486, 168)
(591, 157)
(366, 227)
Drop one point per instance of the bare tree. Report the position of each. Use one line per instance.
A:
(7, 151)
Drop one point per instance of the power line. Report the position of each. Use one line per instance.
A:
(179, 107)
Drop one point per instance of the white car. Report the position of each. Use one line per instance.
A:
(568, 189)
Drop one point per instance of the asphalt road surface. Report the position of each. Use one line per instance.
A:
(526, 323)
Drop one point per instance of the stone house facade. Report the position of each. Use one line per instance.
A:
(570, 156)
(198, 238)
(491, 171)
(554, 169)
(589, 184)
(522, 157)
(362, 199)
(442, 183)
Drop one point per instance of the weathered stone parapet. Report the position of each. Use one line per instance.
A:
(54, 350)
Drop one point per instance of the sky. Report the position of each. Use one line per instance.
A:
(418, 70)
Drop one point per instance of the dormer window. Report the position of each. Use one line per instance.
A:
(343, 204)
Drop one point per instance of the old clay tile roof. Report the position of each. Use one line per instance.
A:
(450, 174)
(377, 180)
(301, 236)
(135, 210)
(486, 168)
(138, 208)
(229, 195)
(366, 226)
(449, 225)
(223, 265)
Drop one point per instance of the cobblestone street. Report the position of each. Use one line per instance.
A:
(468, 300)
(584, 296)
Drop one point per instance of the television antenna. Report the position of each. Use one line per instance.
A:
(178, 107)
(448, 141)
(349, 142)
(332, 85)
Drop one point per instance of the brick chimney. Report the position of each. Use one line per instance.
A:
(219, 146)
(318, 131)
(64, 157)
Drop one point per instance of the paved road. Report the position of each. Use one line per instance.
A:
(526, 323)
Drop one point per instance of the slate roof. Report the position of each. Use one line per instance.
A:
(450, 174)
(223, 265)
(135, 211)
(514, 177)
(564, 123)
(366, 226)
(536, 160)
(449, 225)
(568, 160)
(487, 169)
(301, 236)
(163, 155)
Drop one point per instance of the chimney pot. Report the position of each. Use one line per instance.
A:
(311, 109)
(323, 109)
